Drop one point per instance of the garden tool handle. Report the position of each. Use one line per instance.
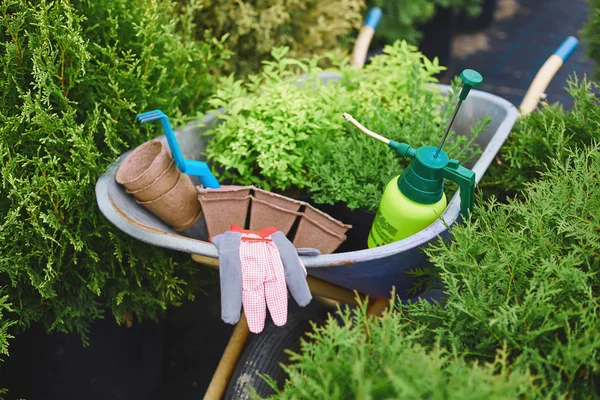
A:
(546, 73)
(465, 178)
(361, 47)
(189, 167)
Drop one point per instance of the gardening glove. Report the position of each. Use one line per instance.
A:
(254, 268)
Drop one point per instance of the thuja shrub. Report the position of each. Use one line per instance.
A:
(357, 357)
(521, 316)
(591, 34)
(5, 323)
(545, 135)
(307, 27)
(526, 274)
(73, 76)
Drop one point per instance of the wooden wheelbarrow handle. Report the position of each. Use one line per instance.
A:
(361, 47)
(545, 74)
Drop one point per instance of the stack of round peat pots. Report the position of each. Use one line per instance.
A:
(150, 174)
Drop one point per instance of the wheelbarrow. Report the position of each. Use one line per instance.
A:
(373, 273)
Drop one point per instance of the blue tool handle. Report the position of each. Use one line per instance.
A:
(567, 48)
(173, 145)
(373, 18)
(202, 171)
(189, 167)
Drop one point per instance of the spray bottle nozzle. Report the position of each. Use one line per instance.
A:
(424, 183)
(470, 79)
(402, 149)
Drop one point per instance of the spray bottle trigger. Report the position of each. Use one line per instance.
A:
(465, 178)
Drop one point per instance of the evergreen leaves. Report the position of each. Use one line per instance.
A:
(73, 76)
(521, 282)
(354, 356)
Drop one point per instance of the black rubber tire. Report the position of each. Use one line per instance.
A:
(265, 351)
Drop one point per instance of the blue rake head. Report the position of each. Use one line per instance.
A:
(190, 167)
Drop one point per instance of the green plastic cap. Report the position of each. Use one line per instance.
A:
(423, 180)
(470, 79)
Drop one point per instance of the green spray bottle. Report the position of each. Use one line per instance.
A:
(415, 199)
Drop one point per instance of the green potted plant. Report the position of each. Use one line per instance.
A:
(278, 135)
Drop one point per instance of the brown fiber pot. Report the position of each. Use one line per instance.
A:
(270, 209)
(161, 185)
(318, 230)
(179, 207)
(146, 163)
(224, 206)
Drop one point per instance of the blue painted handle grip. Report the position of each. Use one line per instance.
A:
(567, 48)
(373, 18)
(189, 167)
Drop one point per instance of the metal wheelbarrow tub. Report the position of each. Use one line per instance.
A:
(370, 271)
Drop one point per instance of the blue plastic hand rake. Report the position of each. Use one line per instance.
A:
(190, 167)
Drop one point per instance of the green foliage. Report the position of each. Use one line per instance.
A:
(365, 358)
(74, 75)
(308, 28)
(278, 134)
(5, 324)
(527, 274)
(521, 318)
(590, 34)
(401, 18)
(542, 136)
(522, 284)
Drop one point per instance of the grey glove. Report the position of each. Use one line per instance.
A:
(295, 273)
(230, 275)
(230, 271)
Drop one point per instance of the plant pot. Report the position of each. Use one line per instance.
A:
(360, 220)
(161, 185)
(270, 209)
(320, 231)
(144, 165)
(224, 206)
(466, 24)
(179, 207)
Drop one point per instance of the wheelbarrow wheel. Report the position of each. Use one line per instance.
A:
(266, 351)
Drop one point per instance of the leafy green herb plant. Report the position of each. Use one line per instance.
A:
(278, 134)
